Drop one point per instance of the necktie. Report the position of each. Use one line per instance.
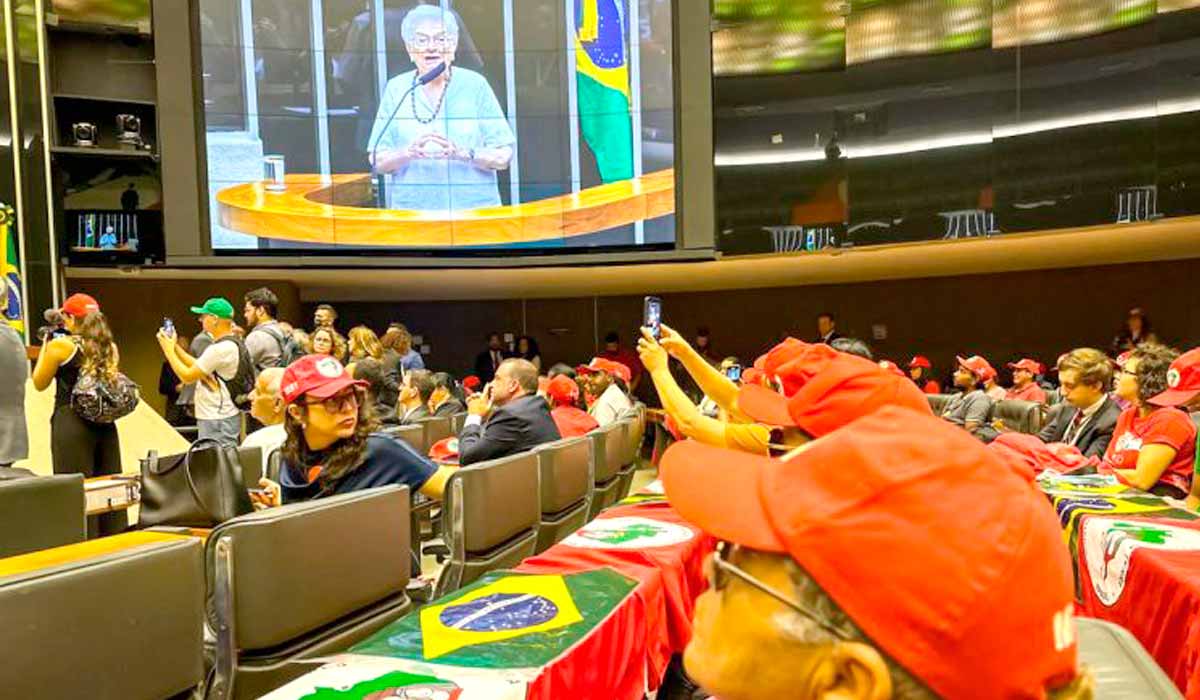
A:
(1074, 429)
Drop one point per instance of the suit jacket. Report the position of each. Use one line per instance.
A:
(14, 371)
(421, 411)
(517, 426)
(483, 365)
(450, 407)
(1097, 433)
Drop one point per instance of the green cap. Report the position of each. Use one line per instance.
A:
(217, 306)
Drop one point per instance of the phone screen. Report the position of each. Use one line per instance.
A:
(168, 326)
(652, 315)
(734, 373)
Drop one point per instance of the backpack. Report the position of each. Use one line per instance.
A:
(289, 349)
(104, 401)
(243, 380)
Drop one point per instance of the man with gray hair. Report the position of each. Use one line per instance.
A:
(266, 405)
(507, 417)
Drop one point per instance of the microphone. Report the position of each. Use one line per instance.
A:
(424, 79)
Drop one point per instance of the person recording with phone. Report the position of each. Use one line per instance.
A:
(439, 136)
(507, 417)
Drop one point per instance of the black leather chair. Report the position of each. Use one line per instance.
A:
(125, 621)
(490, 517)
(1021, 416)
(1123, 669)
(937, 402)
(610, 452)
(566, 485)
(252, 466)
(39, 512)
(302, 581)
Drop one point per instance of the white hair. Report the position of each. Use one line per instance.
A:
(428, 13)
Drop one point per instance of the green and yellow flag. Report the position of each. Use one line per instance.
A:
(504, 620)
(602, 83)
(10, 273)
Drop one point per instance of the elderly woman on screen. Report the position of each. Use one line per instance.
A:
(439, 135)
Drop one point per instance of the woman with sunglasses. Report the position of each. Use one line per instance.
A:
(1153, 447)
(332, 447)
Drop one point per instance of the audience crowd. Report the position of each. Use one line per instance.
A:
(749, 469)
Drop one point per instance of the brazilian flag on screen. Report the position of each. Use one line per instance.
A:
(10, 272)
(504, 620)
(602, 82)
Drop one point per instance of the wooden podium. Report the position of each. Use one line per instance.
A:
(337, 210)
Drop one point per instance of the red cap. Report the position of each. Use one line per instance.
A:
(830, 389)
(319, 376)
(788, 351)
(978, 366)
(920, 361)
(958, 570)
(471, 382)
(1031, 366)
(893, 368)
(80, 305)
(563, 390)
(444, 450)
(600, 364)
(1183, 380)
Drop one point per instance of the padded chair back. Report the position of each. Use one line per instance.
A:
(1022, 416)
(251, 460)
(286, 586)
(1123, 669)
(121, 619)
(414, 435)
(610, 451)
(457, 421)
(937, 402)
(39, 512)
(274, 465)
(490, 516)
(566, 485)
(436, 428)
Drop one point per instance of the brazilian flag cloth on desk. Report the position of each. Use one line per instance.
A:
(602, 82)
(504, 620)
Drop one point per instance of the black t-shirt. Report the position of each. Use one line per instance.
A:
(387, 462)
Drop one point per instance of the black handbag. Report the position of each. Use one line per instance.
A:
(200, 488)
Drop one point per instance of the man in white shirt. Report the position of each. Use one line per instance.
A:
(266, 405)
(217, 416)
(611, 402)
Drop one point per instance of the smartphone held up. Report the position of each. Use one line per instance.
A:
(652, 316)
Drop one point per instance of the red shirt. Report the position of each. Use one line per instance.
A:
(1165, 426)
(1031, 392)
(626, 357)
(573, 422)
(932, 387)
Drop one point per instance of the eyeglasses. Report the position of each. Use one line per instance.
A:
(345, 401)
(425, 41)
(722, 570)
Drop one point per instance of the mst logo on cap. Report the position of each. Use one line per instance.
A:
(329, 367)
(1173, 377)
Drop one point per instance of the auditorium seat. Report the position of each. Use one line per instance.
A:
(566, 483)
(490, 516)
(251, 460)
(39, 512)
(457, 421)
(610, 451)
(1021, 416)
(1123, 669)
(285, 587)
(436, 428)
(119, 617)
(414, 435)
(937, 402)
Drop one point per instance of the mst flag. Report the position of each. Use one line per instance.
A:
(10, 273)
(602, 82)
(504, 620)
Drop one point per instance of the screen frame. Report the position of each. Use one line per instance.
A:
(185, 182)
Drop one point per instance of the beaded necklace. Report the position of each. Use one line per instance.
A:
(441, 99)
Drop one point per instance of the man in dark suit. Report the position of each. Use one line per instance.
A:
(443, 401)
(827, 328)
(1090, 414)
(507, 417)
(413, 404)
(488, 361)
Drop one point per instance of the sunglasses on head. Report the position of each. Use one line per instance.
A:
(722, 570)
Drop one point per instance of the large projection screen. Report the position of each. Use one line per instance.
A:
(481, 127)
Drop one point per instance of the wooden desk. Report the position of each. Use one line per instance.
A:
(105, 494)
(337, 209)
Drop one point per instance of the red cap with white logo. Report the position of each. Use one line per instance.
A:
(319, 376)
(1183, 380)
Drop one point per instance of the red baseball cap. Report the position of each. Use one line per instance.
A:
(1031, 366)
(1183, 380)
(319, 376)
(563, 390)
(829, 390)
(788, 351)
(80, 305)
(892, 367)
(978, 366)
(600, 364)
(947, 557)
(920, 361)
